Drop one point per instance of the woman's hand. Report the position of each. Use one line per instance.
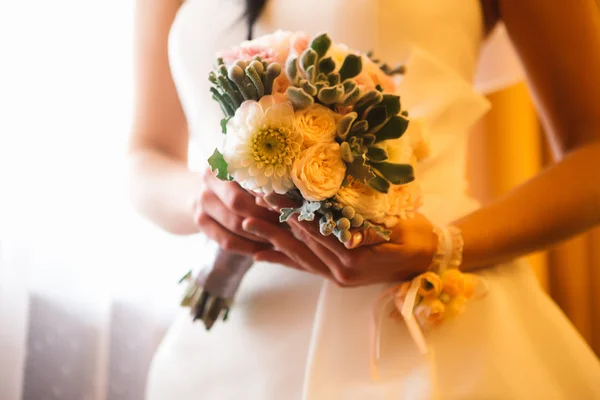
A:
(371, 260)
(220, 210)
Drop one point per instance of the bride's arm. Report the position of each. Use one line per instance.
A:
(559, 45)
(162, 188)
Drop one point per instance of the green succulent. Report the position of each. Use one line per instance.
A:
(397, 70)
(313, 77)
(376, 117)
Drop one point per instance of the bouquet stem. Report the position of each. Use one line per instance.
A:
(211, 293)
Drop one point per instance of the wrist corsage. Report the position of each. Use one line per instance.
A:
(433, 297)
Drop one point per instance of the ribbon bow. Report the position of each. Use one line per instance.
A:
(425, 302)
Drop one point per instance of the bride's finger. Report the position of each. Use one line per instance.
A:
(278, 202)
(213, 206)
(363, 237)
(284, 241)
(226, 239)
(261, 203)
(320, 248)
(238, 200)
(277, 257)
(330, 242)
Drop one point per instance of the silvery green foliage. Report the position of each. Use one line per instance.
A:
(306, 211)
(313, 77)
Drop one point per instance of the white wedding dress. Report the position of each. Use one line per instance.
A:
(293, 336)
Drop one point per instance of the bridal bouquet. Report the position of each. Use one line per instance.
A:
(321, 123)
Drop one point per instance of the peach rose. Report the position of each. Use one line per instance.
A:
(403, 202)
(317, 124)
(271, 48)
(319, 171)
(371, 76)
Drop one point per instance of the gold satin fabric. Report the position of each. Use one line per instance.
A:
(508, 147)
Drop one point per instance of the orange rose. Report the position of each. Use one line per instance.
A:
(456, 306)
(430, 285)
(452, 282)
(470, 283)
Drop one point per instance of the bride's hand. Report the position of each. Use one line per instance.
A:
(220, 210)
(408, 253)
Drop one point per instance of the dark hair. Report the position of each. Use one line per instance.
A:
(252, 12)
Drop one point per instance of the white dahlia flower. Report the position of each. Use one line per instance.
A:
(261, 145)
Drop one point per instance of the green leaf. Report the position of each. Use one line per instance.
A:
(346, 152)
(351, 97)
(351, 67)
(376, 117)
(391, 103)
(224, 122)
(359, 128)
(291, 69)
(306, 211)
(308, 59)
(344, 124)
(333, 79)
(376, 154)
(360, 171)
(368, 139)
(349, 86)
(326, 65)
(368, 99)
(218, 163)
(299, 98)
(398, 174)
(286, 213)
(309, 88)
(329, 95)
(379, 230)
(321, 44)
(380, 184)
(310, 73)
(393, 129)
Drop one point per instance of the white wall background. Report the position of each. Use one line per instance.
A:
(91, 283)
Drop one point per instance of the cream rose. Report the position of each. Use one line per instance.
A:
(403, 201)
(365, 200)
(381, 208)
(317, 124)
(319, 171)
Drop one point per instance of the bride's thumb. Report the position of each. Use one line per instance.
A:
(363, 237)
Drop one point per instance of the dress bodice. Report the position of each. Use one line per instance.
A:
(445, 35)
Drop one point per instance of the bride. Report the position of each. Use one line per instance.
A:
(300, 325)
